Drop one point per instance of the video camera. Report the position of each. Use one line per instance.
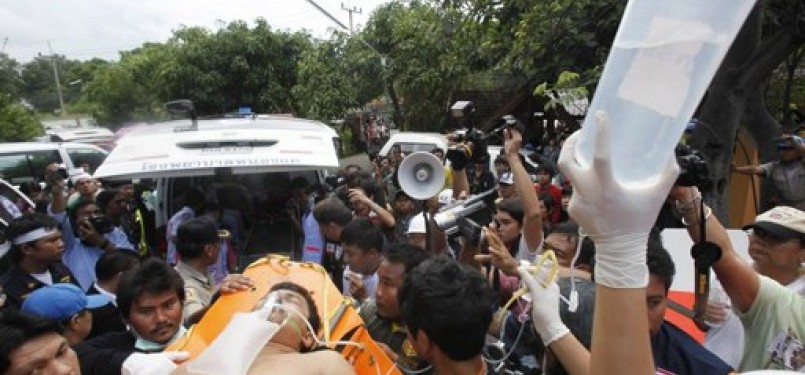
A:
(472, 142)
(101, 223)
(59, 173)
(694, 170)
(454, 219)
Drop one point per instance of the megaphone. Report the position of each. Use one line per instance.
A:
(421, 175)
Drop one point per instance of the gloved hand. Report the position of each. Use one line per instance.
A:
(153, 363)
(616, 215)
(544, 308)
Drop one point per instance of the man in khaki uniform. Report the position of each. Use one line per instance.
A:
(198, 244)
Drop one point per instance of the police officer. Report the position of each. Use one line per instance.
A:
(198, 243)
(35, 255)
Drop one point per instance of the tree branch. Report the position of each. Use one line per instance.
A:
(768, 56)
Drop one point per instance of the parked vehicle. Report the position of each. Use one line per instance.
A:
(245, 165)
(26, 161)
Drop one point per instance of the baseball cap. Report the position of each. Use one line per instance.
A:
(59, 302)
(789, 143)
(782, 222)
(506, 178)
(445, 197)
(416, 225)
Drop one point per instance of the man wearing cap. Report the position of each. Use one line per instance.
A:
(787, 174)
(772, 315)
(782, 264)
(35, 255)
(199, 244)
(506, 186)
(85, 187)
(65, 304)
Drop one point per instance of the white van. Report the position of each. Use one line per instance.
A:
(26, 161)
(413, 141)
(243, 164)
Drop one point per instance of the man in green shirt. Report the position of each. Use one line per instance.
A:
(382, 314)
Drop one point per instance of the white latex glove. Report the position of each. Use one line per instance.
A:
(239, 343)
(152, 363)
(544, 308)
(616, 215)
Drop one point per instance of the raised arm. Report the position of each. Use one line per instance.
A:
(532, 220)
(618, 217)
(739, 280)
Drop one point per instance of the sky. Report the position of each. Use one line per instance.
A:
(84, 29)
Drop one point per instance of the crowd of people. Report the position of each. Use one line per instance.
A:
(84, 294)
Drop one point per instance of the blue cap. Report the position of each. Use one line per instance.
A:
(789, 143)
(691, 126)
(60, 302)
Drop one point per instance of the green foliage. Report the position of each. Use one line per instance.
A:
(236, 66)
(17, 124)
(425, 59)
(567, 94)
(39, 86)
(324, 86)
(10, 80)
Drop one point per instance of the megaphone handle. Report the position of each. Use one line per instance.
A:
(428, 239)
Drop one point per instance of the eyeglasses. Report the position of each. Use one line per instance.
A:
(766, 236)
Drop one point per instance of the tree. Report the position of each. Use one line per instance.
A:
(324, 88)
(17, 123)
(773, 31)
(235, 67)
(10, 81)
(39, 87)
(424, 63)
(132, 89)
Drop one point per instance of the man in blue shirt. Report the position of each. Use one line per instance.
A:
(83, 242)
(674, 351)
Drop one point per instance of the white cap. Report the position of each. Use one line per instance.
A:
(416, 224)
(81, 176)
(446, 197)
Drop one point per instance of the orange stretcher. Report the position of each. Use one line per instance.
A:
(340, 321)
(681, 321)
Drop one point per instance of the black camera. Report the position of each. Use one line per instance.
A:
(58, 174)
(101, 223)
(472, 143)
(694, 170)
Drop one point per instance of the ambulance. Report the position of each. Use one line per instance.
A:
(243, 163)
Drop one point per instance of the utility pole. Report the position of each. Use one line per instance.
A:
(352, 10)
(56, 75)
(5, 41)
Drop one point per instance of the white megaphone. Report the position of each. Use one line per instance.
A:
(421, 175)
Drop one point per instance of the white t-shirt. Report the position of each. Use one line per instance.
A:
(45, 277)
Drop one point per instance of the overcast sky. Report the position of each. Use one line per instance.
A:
(83, 29)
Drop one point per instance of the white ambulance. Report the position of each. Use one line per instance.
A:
(244, 164)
